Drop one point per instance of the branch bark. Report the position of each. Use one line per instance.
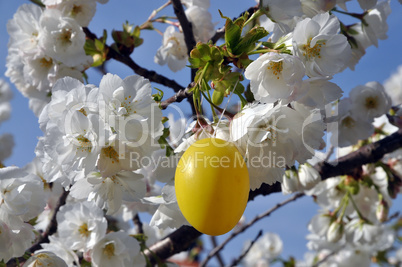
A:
(186, 26)
(370, 153)
(178, 97)
(176, 242)
(149, 74)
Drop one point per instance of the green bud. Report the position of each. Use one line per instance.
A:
(217, 97)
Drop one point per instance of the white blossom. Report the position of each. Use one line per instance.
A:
(317, 92)
(24, 28)
(21, 194)
(173, 51)
(369, 101)
(308, 176)
(319, 45)
(109, 192)
(267, 248)
(349, 129)
(270, 139)
(376, 20)
(275, 77)
(45, 258)
(371, 237)
(81, 11)
(63, 39)
(282, 11)
(168, 214)
(130, 109)
(290, 182)
(313, 7)
(201, 21)
(393, 86)
(201, 3)
(81, 225)
(115, 249)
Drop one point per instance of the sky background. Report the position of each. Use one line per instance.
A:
(289, 222)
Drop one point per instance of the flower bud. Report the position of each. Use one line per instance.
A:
(382, 211)
(335, 232)
(290, 182)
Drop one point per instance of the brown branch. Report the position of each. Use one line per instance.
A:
(370, 153)
(185, 25)
(149, 74)
(44, 238)
(176, 242)
(248, 225)
(178, 97)
(240, 258)
(138, 224)
(218, 255)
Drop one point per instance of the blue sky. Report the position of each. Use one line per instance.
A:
(290, 222)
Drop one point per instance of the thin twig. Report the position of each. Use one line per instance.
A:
(248, 225)
(240, 258)
(218, 255)
(138, 224)
(178, 97)
(149, 74)
(318, 263)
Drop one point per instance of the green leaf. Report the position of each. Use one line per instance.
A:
(249, 40)
(158, 96)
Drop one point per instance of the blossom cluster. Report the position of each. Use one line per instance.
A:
(47, 44)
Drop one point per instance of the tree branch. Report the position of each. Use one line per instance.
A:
(186, 26)
(178, 97)
(248, 225)
(149, 74)
(239, 259)
(370, 153)
(218, 255)
(138, 224)
(176, 242)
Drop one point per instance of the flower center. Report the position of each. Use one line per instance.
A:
(348, 122)
(109, 250)
(84, 143)
(371, 102)
(276, 68)
(83, 230)
(76, 10)
(311, 52)
(65, 37)
(111, 153)
(44, 63)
